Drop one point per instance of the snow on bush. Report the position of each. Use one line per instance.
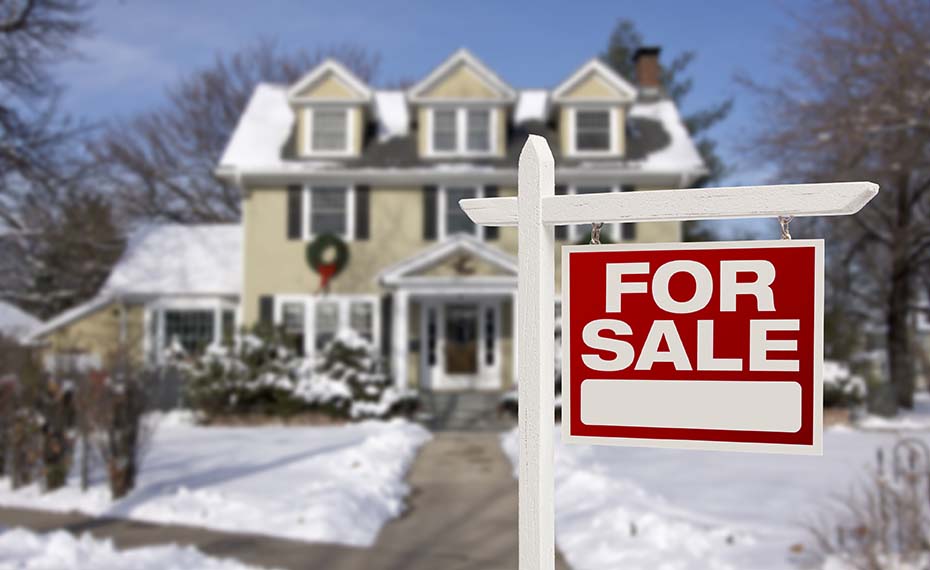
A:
(261, 376)
(840, 385)
(24, 550)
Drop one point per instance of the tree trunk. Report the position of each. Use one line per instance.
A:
(900, 354)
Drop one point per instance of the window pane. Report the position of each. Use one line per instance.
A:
(326, 322)
(479, 130)
(592, 130)
(329, 130)
(444, 131)
(229, 326)
(456, 220)
(361, 319)
(328, 210)
(192, 330)
(292, 323)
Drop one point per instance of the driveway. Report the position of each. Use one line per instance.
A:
(462, 516)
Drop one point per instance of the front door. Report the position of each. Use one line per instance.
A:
(461, 345)
(461, 339)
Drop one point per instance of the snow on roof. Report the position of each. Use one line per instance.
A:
(15, 322)
(392, 113)
(180, 260)
(263, 129)
(680, 153)
(531, 106)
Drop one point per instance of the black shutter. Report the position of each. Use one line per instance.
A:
(561, 232)
(266, 311)
(429, 212)
(293, 211)
(362, 199)
(386, 324)
(491, 232)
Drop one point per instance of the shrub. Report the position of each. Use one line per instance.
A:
(840, 386)
(261, 376)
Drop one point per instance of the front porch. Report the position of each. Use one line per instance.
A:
(453, 310)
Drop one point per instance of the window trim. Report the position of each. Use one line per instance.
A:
(343, 301)
(442, 210)
(461, 131)
(306, 211)
(614, 149)
(349, 149)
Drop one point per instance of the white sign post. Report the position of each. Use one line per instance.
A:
(535, 211)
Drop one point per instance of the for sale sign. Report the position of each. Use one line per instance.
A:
(694, 345)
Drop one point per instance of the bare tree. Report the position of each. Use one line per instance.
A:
(857, 107)
(163, 160)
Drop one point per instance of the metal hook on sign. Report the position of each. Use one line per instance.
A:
(596, 233)
(784, 221)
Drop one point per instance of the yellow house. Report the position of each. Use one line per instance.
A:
(383, 172)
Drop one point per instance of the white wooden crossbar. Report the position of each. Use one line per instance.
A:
(797, 200)
(537, 210)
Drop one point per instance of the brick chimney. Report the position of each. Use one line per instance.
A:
(648, 72)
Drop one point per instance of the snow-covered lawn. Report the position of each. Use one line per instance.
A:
(648, 509)
(24, 550)
(322, 484)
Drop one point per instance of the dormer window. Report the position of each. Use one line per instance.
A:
(462, 131)
(593, 131)
(329, 131)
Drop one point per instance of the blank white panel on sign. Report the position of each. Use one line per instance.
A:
(706, 404)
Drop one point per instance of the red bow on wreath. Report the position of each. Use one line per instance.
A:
(327, 255)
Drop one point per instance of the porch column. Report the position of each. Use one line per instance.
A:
(399, 338)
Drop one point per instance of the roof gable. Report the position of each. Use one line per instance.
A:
(596, 82)
(329, 81)
(462, 76)
(460, 257)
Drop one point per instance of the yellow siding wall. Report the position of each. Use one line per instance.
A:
(276, 265)
(329, 87)
(461, 83)
(592, 87)
(98, 333)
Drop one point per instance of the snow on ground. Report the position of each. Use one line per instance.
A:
(322, 484)
(693, 510)
(906, 420)
(24, 550)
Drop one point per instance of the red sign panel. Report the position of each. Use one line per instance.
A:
(694, 345)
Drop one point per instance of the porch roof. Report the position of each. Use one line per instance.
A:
(410, 272)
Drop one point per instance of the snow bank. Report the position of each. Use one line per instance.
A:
(321, 484)
(917, 419)
(643, 509)
(24, 550)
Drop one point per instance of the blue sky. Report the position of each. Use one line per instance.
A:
(140, 47)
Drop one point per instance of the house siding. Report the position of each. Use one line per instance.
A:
(98, 333)
(461, 83)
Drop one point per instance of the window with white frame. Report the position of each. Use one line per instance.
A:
(293, 324)
(190, 330)
(462, 130)
(479, 130)
(326, 323)
(328, 210)
(454, 220)
(592, 131)
(445, 133)
(362, 319)
(329, 131)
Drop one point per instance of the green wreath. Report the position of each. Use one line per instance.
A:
(327, 255)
